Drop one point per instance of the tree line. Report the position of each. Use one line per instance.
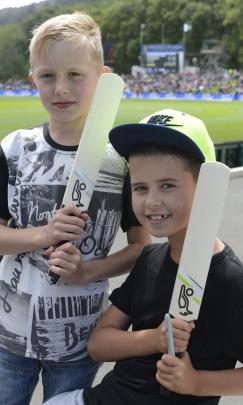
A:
(124, 21)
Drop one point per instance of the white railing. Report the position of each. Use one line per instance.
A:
(236, 172)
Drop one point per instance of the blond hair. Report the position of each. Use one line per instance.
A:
(77, 27)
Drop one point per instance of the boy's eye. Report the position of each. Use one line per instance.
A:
(46, 75)
(139, 189)
(166, 186)
(75, 74)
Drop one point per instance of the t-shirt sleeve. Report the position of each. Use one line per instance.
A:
(4, 174)
(128, 217)
(121, 297)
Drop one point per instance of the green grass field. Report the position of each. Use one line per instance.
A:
(224, 120)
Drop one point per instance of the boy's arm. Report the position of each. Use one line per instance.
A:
(67, 262)
(67, 224)
(111, 341)
(178, 375)
(223, 382)
(13, 241)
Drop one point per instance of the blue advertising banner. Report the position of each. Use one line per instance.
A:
(148, 95)
(184, 96)
(18, 93)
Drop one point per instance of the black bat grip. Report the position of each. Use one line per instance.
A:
(55, 277)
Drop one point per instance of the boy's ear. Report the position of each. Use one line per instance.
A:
(105, 69)
(31, 79)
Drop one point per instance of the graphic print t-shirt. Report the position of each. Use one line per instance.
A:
(37, 319)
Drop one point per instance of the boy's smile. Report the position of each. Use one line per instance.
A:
(162, 194)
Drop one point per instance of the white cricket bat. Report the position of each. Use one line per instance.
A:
(199, 242)
(202, 230)
(94, 139)
(93, 143)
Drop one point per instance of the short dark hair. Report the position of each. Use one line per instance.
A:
(150, 149)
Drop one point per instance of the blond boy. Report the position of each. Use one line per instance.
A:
(44, 327)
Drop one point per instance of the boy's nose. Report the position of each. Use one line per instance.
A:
(153, 200)
(61, 87)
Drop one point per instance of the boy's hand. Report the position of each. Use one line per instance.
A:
(65, 261)
(66, 225)
(181, 334)
(177, 374)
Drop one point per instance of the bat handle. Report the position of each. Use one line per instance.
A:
(171, 350)
(55, 277)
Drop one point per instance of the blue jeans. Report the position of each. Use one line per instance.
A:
(19, 377)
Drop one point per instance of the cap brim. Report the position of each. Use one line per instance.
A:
(125, 137)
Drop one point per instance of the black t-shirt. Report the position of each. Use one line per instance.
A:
(216, 342)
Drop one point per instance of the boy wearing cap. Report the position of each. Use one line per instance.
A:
(165, 152)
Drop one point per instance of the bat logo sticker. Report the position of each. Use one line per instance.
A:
(183, 300)
(77, 192)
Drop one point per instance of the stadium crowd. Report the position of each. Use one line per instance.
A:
(216, 81)
(15, 85)
(220, 81)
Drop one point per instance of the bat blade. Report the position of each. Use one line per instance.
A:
(200, 237)
(94, 139)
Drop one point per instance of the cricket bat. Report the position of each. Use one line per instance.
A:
(197, 251)
(202, 230)
(93, 143)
